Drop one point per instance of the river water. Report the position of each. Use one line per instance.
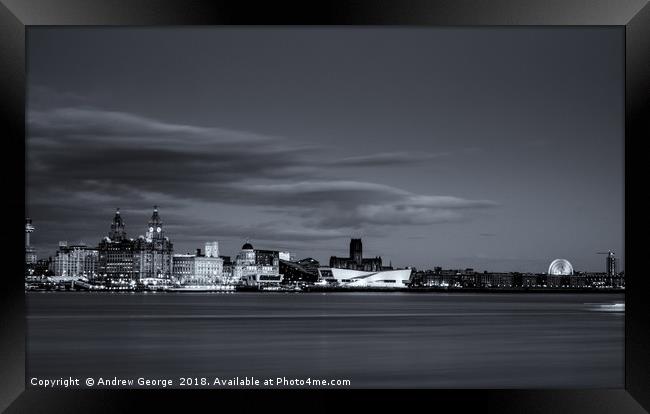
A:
(377, 340)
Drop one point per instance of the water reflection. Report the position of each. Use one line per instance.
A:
(373, 339)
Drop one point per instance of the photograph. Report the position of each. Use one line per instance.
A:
(325, 207)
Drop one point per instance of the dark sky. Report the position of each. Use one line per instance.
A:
(493, 148)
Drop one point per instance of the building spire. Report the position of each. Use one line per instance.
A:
(117, 227)
(155, 225)
(155, 218)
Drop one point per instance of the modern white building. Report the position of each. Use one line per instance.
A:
(356, 278)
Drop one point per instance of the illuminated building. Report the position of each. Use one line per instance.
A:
(199, 269)
(153, 252)
(257, 267)
(610, 262)
(356, 261)
(125, 261)
(310, 265)
(227, 273)
(209, 266)
(356, 278)
(183, 268)
(208, 270)
(76, 261)
(44, 268)
(212, 249)
(295, 272)
(116, 254)
(30, 253)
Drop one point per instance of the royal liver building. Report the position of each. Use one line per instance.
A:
(123, 260)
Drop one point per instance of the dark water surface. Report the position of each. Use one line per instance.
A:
(390, 340)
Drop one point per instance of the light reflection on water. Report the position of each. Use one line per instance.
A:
(606, 307)
(374, 339)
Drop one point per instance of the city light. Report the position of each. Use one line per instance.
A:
(148, 263)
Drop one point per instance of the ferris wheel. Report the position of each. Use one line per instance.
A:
(560, 267)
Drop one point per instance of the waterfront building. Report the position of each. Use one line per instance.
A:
(355, 260)
(295, 272)
(76, 261)
(208, 270)
(227, 272)
(126, 261)
(246, 256)
(468, 278)
(430, 278)
(268, 267)
(610, 262)
(530, 280)
(257, 267)
(116, 254)
(577, 280)
(198, 269)
(244, 263)
(604, 280)
(208, 267)
(183, 267)
(356, 278)
(618, 280)
(497, 280)
(30, 252)
(268, 259)
(515, 280)
(153, 252)
(42, 268)
(212, 249)
(310, 265)
(444, 278)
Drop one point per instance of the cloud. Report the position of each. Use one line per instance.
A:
(85, 161)
(75, 123)
(340, 204)
(112, 148)
(258, 231)
(387, 159)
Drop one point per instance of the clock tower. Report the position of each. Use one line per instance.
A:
(155, 231)
(153, 256)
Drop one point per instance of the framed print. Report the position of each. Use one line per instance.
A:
(355, 202)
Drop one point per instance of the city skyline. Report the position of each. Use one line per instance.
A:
(449, 155)
(247, 242)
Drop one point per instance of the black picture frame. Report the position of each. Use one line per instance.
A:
(17, 15)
